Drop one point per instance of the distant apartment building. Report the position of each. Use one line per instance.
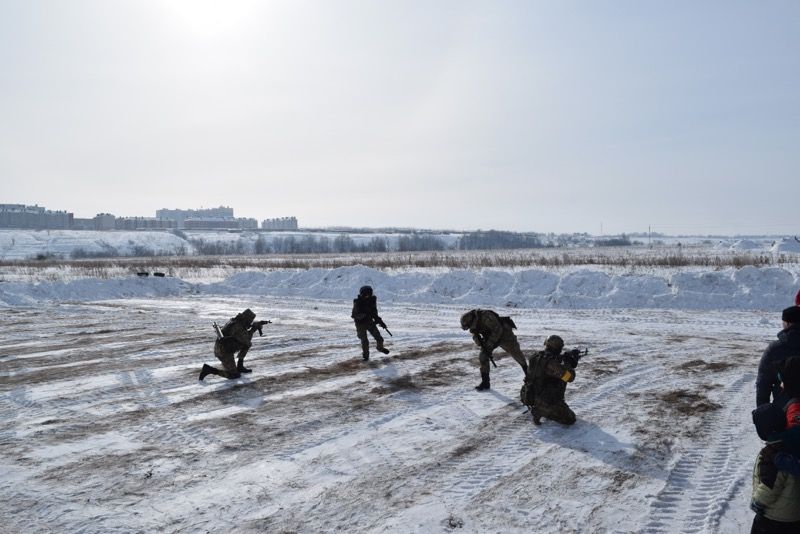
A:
(280, 223)
(82, 224)
(180, 216)
(33, 217)
(220, 223)
(144, 223)
(104, 221)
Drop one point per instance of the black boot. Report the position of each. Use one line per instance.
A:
(383, 349)
(208, 370)
(241, 368)
(484, 385)
(365, 356)
(537, 419)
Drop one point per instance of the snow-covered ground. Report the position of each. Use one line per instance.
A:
(106, 428)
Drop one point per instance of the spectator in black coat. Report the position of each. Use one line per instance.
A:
(788, 345)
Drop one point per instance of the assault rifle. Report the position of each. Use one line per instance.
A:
(575, 355)
(380, 323)
(258, 325)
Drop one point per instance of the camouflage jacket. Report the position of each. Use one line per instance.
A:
(548, 374)
(490, 330)
(238, 336)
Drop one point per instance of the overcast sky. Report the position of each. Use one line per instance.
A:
(612, 116)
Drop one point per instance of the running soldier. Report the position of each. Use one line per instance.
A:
(365, 315)
(490, 331)
(236, 336)
(549, 371)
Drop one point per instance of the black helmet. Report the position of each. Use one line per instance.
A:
(365, 291)
(469, 319)
(554, 343)
(247, 316)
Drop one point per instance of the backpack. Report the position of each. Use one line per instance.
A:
(227, 330)
(509, 321)
(503, 320)
(770, 420)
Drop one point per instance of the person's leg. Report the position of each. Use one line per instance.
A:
(361, 332)
(373, 329)
(228, 364)
(559, 413)
(511, 346)
(240, 363)
(483, 358)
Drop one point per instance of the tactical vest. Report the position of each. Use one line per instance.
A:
(504, 320)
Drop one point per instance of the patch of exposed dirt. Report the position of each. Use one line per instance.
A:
(394, 384)
(601, 367)
(688, 402)
(702, 365)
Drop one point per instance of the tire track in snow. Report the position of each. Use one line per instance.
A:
(704, 479)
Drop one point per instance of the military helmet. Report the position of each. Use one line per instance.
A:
(469, 319)
(247, 316)
(365, 291)
(554, 343)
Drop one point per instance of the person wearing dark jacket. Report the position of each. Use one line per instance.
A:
(489, 330)
(549, 372)
(365, 315)
(237, 335)
(768, 382)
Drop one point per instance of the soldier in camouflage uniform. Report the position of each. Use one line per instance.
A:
(365, 315)
(549, 371)
(490, 331)
(237, 337)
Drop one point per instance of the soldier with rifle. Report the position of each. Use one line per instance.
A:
(549, 372)
(365, 315)
(234, 337)
(490, 331)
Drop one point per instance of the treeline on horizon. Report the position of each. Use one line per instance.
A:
(343, 243)
(479, 240)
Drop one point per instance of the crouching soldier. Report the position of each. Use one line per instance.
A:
(490, 331)
(235, 336)
(549, 371)
(365, 315)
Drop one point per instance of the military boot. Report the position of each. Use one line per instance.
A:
(537, 418)
(484, 385)
(208, 370)
(241, 368)
(365, 355)
(382, 349)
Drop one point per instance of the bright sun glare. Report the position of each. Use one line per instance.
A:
(209, 18)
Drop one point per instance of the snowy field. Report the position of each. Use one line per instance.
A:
(105, 427)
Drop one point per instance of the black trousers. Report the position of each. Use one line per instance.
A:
(762, 525)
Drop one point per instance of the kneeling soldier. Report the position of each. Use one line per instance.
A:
(235, 336)
(549, 371)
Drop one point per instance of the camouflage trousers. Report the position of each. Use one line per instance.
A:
(508, 344)
(361, 332)
(228, 363)
(560, 413)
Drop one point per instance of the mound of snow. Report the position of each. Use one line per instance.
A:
(787, 245)
(746, 244)
(749, 288)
